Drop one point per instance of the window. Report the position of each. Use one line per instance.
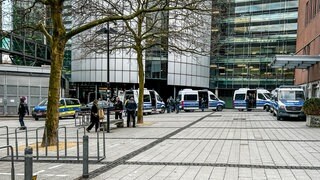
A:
(158, 98)
(146, 98)
(239, 97)
(62, 102)
(212, 97)
(43, 103)
(190, 97)
(261, 96)
(306, 14)
(72, 102)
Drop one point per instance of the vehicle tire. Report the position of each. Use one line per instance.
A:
(249, 109)
(162, 110)
(271, 110)
(76, 114)
(267, 108)
(219, 108)
(36, 119)
(279, 118)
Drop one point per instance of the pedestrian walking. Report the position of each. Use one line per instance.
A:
(22, 111)
(118, 108)
(94, 118)
(131, 107)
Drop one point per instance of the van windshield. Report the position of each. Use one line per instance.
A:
(291, 95)
(268, 95)
(43, 103)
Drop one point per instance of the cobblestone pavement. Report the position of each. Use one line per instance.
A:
(197, 145)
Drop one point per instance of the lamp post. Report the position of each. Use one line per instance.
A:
(107, 31)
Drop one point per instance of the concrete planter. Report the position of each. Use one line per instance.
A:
(313, 121)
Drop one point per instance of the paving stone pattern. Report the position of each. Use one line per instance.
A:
(197, 145)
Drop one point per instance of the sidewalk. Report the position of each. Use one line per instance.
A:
(198, 145)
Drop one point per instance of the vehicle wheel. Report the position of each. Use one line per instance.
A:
(219, 108)
(36, 119)
(279, 118)
(162, 110)
(76, 115)
(249, 109)
(267, 108)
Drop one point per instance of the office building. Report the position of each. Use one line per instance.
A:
(308, 45)
(246, 35)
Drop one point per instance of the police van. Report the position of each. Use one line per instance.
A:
(245, 98)
(190, 100)
(67, 107)
(287, 101)
(152, 102)
(158, 106)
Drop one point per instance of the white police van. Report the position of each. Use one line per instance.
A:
(245, 98)
(157, 102)
(152, 102)
(287, 101)
(190, 100)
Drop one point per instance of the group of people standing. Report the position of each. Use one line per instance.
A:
(173, 105)
(130, 106)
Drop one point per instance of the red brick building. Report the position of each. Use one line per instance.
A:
(308, 43)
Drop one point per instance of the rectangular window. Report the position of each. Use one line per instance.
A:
(306, 14)
(190, 97)
(240, 97)
(146, 98)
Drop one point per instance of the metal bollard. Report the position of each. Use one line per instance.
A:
(108, 120)
(85, 173)
(28, 166)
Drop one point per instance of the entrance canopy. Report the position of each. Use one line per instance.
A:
(294, 61)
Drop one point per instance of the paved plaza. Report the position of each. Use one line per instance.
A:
(195, 145)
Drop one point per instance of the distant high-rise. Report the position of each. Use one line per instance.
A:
(246, 35)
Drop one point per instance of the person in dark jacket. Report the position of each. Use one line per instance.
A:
(177, 104)
(22, 111)
(94, 119)
(131, 107)
(118, 108)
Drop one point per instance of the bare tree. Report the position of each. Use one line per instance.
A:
(186, 31)
(52, 25)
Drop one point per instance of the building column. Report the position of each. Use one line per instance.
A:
(95, 91)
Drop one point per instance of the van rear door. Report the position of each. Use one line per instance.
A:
(239, 101)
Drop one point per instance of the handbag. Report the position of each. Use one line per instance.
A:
(101, 114)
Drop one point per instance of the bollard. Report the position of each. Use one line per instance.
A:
(28, 160)
(108, 120)
(85, 173)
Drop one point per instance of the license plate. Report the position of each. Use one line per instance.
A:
(293, 115)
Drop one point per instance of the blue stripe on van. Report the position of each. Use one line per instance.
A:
(191, 104)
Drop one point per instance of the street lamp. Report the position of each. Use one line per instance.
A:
(108, 31)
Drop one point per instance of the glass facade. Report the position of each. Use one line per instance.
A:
(246, 35)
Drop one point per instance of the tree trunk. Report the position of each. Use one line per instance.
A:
(141, 84)
(57, 44)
